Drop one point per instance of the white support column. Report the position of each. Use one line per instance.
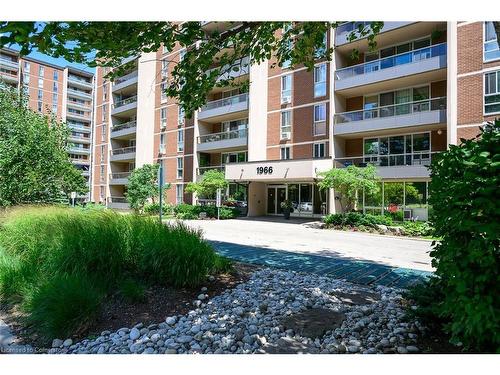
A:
(451, 92)
(257, 112)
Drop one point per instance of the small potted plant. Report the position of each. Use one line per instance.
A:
(287, 207)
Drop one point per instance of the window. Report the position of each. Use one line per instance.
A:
(287, 63)
(491, 42)
(233, 157)
(54, 87)
(180, 140)
(102, 173)
(41, 71)
(164, 68)
(54, 98)
(163, 90)
(103, 150)
(56, 75)
(54, 108)
(163, 142)
(27, 67)
(492, 92)
(286, 124)
(40, 95)
(40, 83)
(320, 80)
(321, 50)
(104, 112)
(102, 192)
(411, 149)
(235, 125)
(319, 150)
(319, 127)
(179, 193)
(180, 115)
(26, 79)
(180, 167)
(104, 130)
(182, 54)
(163, 118)
(286, 89)
(285, 153)
(105, 91)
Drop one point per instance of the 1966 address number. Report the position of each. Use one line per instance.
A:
(264, 170)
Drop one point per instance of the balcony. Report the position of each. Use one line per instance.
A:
(125, 81)
(124, 130)
(423, 112)
(80, 81)
(119, 178)
(78, 116)
(9, 63)
(394, 166)
(79, 94)
(79, 150)
(79, 127)
(220, 110)
(223, 140)
(342, 32)
(80, 161)
(81, 106)
(79, 139)
(127, 105)
(430, 60)
(123, 154)
(8, 77)
(118, 203)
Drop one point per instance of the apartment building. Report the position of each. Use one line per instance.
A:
(427, 85)
(65, 92)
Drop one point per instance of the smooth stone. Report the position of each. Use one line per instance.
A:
(56, 343)
(134, 334)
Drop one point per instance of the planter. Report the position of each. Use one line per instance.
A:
(286, 213)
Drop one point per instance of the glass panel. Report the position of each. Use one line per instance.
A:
(320, 201)
(402, 48)
(371, 146)
(422, 43)
(393, 199)
(490, 83)
(397, 145)
(305, 205)
(403, 96)
(370, 103)
(371, 56)
(386, 52)
(293, 196)
(421, 142)
(415, 194)
(271, 200)
(281, 196)
(387, 99)
(374, 199)
(489, 31)
(383, 146)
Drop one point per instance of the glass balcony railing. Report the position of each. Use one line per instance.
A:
(119, 175)
(125, 125)
(202, 170)
(125, 78)
(402, 109)
(214, 137)
(124, 150)
(79, 79)
(391, 160)
(392, 61)
(225, 102)
(122, 102)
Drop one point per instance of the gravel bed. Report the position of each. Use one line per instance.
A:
(275, 311)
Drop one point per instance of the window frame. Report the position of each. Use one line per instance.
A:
(317, 83)
(177, 196)
(315, 121)
(288, 152)
(290, 90)
(497, 92)
(180, 168)
(316, 146)
(180, 140)
(485, 42)
(289, 125)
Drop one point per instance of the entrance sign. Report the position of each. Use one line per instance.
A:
(73, 197)
(218, 201)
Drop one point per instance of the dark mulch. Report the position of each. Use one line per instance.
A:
(160, 302)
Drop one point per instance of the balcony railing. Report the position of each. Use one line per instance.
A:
(202, 170)
(10, 62)
(79, 92)
(225, 102)
(124, 150)
(79, 126)
(121, 103)
(117, 200)
(392, 61)
(125, 125)
(119, 175)
(79, 137)
(79, 149)
(125, 78)
(402, 109)
(79, 79)
(391, 160)
(214, 137)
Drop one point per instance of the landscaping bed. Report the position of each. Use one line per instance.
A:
(59, 266)
(379, 224)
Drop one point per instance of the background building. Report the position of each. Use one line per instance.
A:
(65, 92)
(427, 85)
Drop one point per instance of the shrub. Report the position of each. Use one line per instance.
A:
(154, 209)
(464, 195)
(133, 291)
(356, 219)
(63, 305)
(190, 212)
(418, 228)
(43, 248)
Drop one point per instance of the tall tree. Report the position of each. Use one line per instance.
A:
(207, 187)
(210, 55)
(34, 164)
(143, 186)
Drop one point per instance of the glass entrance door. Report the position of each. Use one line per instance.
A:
(275, 195)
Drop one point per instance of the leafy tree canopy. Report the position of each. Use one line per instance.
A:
(207, 187)
(143, 186)
(349, 182)
(34, 165)
(209, 57)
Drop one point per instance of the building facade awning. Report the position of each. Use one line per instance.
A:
(278, 170)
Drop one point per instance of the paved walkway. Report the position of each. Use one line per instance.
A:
(359, 272)
(357, 257)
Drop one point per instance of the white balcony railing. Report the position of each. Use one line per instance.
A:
(225, 102)
(125, 78)
(402, 109)
(392, 61)
(119, 175)
(125, 125)
(391, 160)
(124, 150)
(122, 102)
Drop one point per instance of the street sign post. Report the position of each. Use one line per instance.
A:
(218, 201)
(73, 197)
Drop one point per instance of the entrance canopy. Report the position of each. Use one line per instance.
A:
(278, 170)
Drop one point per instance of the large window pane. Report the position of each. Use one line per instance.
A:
(293, 196)
(371, 146)
(305, 205)
(393, 199)
(320, 201)
(421, 142)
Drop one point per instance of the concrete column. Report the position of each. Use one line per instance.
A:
(257, 113)
(256, 199)
(451, 92)
(145, 109)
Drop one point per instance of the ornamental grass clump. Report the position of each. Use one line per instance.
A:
(59, 263)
